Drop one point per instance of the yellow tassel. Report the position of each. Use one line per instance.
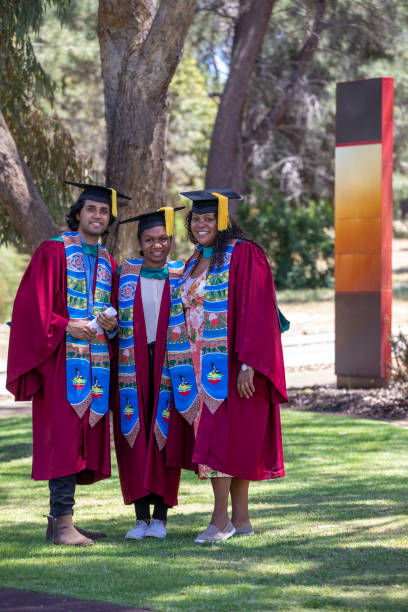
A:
(168, 219)
(223, 216)
(114, 202)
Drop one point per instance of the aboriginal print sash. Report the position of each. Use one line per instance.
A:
(214, 353)
(88, 363)
(129, 402)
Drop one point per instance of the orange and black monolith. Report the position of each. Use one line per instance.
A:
(363, 224)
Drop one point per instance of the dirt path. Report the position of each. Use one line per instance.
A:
(309, 344)
(14, 600)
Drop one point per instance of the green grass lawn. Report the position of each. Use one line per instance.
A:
(332, 535)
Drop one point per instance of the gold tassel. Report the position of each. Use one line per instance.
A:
(168, 219)
(114, 202)
(223, 216)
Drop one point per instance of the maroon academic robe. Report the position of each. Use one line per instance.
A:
(63, 443)
(243, 438)
(143, 467)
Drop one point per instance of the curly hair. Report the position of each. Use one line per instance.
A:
(234, 231)
(74, 210)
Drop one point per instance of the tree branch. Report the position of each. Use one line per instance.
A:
(19, 196)
(261, 133)
(163, 47)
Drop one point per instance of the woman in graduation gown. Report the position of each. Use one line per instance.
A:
(144, 399)
(233, 329)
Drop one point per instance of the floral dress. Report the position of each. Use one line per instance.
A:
(193, 303)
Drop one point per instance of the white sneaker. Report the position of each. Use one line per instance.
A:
(156, 529)
(137, 532)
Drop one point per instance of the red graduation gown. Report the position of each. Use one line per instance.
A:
(244, 438)
(143, 467)
(63, 443)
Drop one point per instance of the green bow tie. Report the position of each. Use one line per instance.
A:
(158, 273)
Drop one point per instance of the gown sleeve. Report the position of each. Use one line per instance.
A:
(39, 320)
(257, 338)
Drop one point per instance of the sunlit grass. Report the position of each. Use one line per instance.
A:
(11, 271)
(331, 535)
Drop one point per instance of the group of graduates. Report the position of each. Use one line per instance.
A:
(187, 357)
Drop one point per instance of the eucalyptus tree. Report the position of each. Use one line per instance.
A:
(141, 44)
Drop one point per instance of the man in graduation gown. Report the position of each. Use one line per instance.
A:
(144, 406)
(60, 362)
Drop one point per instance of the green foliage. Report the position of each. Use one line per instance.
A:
(296, 238)
(21, 75)
(70, 55)
(11, 271)
(44, 142)
(192, 115)
(360, 40)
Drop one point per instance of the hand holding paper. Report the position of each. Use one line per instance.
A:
(109, 312)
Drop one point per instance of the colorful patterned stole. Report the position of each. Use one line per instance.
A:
(129, 402)
(88, 363)
(214, 356)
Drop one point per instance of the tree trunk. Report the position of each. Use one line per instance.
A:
(140, 50)
(225, 158)
(231, 148)
(20, 197)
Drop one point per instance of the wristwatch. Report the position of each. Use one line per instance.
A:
(245, 367)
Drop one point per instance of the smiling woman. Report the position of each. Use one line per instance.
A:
(227, 292)
(155, 246)
(144, 406)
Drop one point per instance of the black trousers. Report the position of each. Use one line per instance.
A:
(142, 506)
(62, 495)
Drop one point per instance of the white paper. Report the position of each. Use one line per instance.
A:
(111, 312)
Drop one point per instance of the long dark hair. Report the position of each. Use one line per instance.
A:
(74, 210)
(234, 231)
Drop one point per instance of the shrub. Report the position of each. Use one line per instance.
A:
(297, 239)
(399, 349)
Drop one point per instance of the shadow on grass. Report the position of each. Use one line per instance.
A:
(15, 438)
(20, 450)
(310, 562)
(330, 536)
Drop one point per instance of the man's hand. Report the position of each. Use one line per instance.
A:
(245, 383)
(79, 328)
(107, 323)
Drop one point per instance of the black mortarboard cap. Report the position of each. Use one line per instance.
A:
(205, 201)
(99, 193)
(213, 200)
(163, 216)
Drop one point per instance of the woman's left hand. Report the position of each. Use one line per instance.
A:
(107, 323)
(245, 383)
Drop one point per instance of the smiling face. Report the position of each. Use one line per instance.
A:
(155, 245)
(204, 228)
(93, 220)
